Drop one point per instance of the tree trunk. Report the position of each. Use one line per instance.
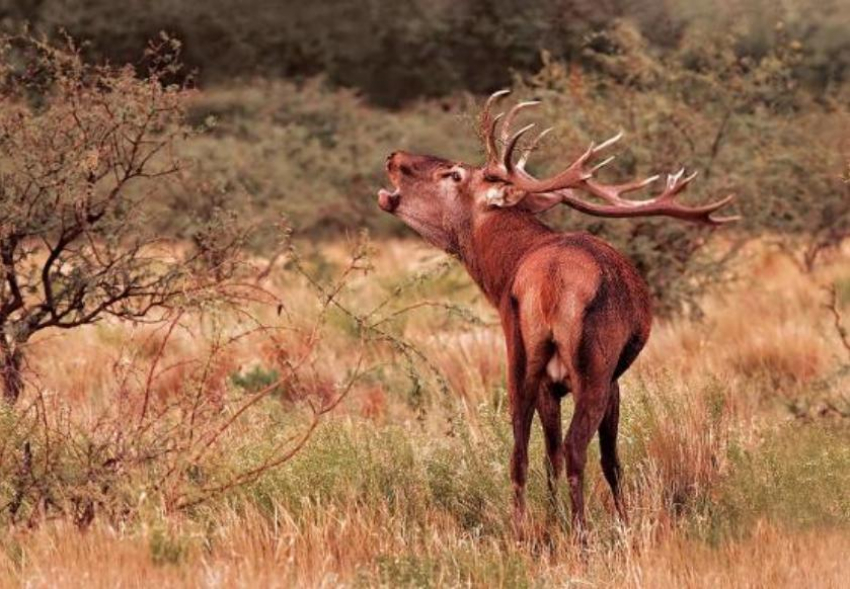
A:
(11, 361)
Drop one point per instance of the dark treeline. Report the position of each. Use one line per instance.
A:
(394, 51)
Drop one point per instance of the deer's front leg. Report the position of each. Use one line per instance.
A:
(522, 413)
(522, 401)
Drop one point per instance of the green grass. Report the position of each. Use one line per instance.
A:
(842, 290)
(798, 476)
(795, 476)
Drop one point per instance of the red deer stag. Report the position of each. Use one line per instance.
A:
(575, 312)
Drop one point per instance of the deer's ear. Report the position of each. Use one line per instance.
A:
(503, 196)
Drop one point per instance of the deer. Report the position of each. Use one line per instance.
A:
(575, 312)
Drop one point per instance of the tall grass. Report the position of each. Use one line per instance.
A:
(726, 478)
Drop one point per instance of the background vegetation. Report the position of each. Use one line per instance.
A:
(752, 94)
(299, 402)
(395, 53)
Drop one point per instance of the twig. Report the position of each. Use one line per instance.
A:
(155, 364)
(273, 459)
(832, 305)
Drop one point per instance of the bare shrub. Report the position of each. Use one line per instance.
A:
(158, 438)
(210, 397)
(813, 218)
(83, 148)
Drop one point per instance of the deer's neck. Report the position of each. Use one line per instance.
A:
(494, 249)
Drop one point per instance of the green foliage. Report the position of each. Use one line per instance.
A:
(395, 51)
(167, 548)
(304, 151)
(842, 291)
(456, 568)
(722, 88)
(404, 471)
(257, 379)
(470, 488)
(795, 476)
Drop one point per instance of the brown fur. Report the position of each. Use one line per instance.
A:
(575, 313)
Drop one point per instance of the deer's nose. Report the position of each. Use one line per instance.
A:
(400, 162)
(392, 161)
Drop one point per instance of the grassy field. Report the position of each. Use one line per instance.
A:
(735, 439)
(223, 365)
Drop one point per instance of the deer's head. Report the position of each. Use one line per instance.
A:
(442, 199)
(439, 199)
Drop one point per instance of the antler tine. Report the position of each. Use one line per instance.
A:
(488, 125)
(608, 142)
(717, 221)
(687, 180)
(490, 140)
(509, 119)
(663, 204)
(493, 98)
(523, 158)
(603, 163)
(507, 158)
(673, 179)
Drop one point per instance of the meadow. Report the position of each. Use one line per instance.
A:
(734, 439)
(222, 365)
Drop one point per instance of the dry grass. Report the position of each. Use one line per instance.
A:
(342, 548)
(407, 486)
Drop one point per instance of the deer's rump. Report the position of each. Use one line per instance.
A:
(585, 308)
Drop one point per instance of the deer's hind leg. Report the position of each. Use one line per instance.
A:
(608, 449)
(591, 404)
(549, 410)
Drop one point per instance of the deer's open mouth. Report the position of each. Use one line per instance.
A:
(388, 201)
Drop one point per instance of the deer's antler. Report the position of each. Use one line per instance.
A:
(580, 175)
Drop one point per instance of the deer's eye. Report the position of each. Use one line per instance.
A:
(454, 175)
